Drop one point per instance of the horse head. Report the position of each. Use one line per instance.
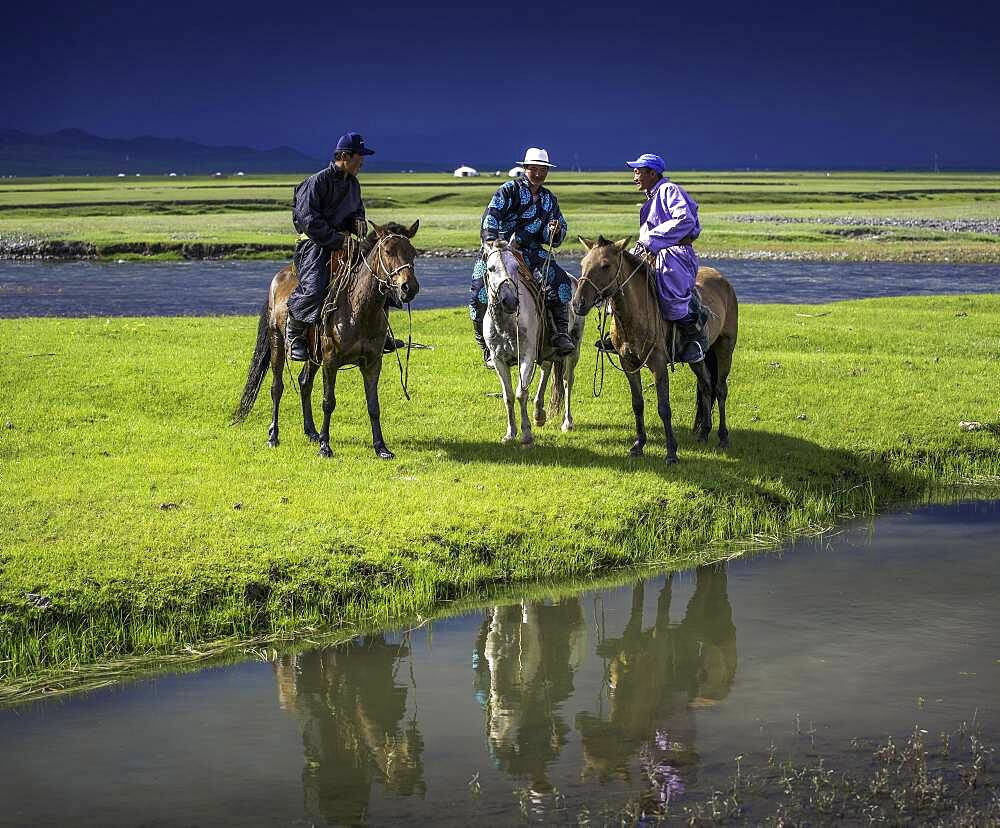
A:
(391, 256)
(601, 272)
(501, 274)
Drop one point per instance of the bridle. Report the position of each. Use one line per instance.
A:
(610, 290)
(385, 277)
(493, 294)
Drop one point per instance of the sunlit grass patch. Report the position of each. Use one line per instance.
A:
(134, 519)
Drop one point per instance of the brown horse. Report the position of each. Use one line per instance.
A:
(640, 335)
(352, 332)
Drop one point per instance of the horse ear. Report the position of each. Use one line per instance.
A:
(587, 243)
(413, 229)
(377, 229)
(512, 241)
(621, 244)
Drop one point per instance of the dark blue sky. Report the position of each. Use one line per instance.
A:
(787, 84)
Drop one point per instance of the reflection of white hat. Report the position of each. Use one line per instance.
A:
(534, 155)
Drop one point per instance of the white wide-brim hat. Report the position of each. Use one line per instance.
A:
(534, 155)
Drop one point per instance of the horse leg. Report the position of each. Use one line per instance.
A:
(306, 377)
(277, 384)
(663, 409)
(543, 381)
(526, 371)
(329, 403)
(371, 374)
(503, 371)
(704, 401)
(698, 415)
(724, 362)
(569, 369)
(638, 406)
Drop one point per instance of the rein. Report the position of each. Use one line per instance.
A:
(384, 281)
(606, 296)
(497, 309)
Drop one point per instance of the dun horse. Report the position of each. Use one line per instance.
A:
(352, 332)
(513, 329)
(641, 336)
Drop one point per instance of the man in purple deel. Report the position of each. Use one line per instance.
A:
(668, 225)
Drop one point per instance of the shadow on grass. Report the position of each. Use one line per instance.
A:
(752, 455)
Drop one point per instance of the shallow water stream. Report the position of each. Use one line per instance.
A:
(538, 708)
(208, 288)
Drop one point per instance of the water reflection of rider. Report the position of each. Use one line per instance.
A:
(655, 676)
(525, 658)
(352, 710)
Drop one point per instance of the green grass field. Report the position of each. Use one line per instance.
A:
(134, 519)
(142, 217)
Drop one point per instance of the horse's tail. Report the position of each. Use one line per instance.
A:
(557, 394)
(259, 363)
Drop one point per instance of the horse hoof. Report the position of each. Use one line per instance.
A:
(384, 454)
(539, 418)
(325, 451)
(723, 442)
(567, 427)
(672, 460)
(701, 438)
(635, 451)
(527, 442)
(312, 436)
(506, 439)
(273, 442)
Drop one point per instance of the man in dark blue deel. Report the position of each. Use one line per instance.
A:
(326, 207)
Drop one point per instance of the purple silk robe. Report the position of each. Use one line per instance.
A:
(670, 216)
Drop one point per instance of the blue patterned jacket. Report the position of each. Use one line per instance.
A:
(512, 210)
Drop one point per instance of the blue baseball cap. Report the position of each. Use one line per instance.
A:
(353, 142)
(647, 159)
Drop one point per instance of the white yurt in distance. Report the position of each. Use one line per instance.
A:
(514, 172)
(465, 172)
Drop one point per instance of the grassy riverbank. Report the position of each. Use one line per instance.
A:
(133, 519)
(854, 216)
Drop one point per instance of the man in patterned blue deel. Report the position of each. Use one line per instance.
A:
(529, 211)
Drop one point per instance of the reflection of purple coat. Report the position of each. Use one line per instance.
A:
(670, 217)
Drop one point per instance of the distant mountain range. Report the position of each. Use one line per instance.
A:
(74, 152)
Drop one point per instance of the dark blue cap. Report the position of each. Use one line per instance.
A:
(353, 142)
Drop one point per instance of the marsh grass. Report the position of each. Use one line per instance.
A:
(135, 521)
(945, 779)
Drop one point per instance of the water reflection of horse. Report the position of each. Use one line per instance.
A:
(515, 334)
(640, 335)
(655, 677)
(526, 655)
(352, 333)
(353, 730)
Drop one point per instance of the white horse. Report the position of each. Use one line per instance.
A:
(512, 329)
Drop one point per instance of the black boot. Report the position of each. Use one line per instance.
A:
(479, 312)
(296, 339)
(562, 343)
(392, 344)
(693, 342)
